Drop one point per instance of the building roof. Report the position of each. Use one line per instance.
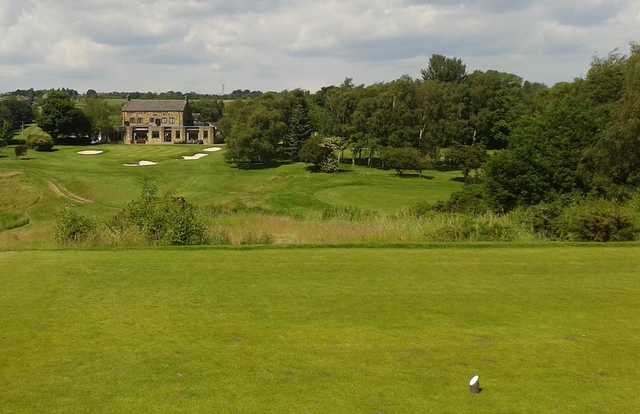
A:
(147, 105)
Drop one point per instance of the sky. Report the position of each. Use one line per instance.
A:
(198, 45)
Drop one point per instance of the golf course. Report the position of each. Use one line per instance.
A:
(35, 190)
(357, 315)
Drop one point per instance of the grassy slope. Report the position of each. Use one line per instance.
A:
(320, 330)
(208, 181)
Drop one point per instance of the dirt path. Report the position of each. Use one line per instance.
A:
(63, 192)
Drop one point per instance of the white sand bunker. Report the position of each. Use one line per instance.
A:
(194, 157)
(214, 149)
(90, 152)
(141, 164)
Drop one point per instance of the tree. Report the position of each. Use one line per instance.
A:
(495, 101)
(103, 117)
(441, 116)
(618, 153)
(61, 117)
(91, 94)
(253, 133)
(299, 130)
(401, 159)
(15, 111)
(210, 110)
(468, 158)
(321, 152)
(445, 69)
(5, 132)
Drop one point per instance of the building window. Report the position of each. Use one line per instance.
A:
(151, 120)
(177, 134)
(164, 120)
(139, 120)
(132, 120)
(172, 121)
(205, 134)
(155, 134)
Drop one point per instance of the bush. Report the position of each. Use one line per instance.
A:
(598, 221)
(21, 151)
(488, 227)
(470, 200)
(74, 228)
(39, 141)
(544, 219)
(164, 220)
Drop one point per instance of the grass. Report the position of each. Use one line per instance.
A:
(289, 189)
(320, 330)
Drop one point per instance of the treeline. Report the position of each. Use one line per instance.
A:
(576, 139)
(32, 95)
(444, 108)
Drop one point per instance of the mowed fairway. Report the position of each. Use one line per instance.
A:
(549, 329)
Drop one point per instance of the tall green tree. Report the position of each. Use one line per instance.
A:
(103, 116)
(444, 69)
(299, 129)
(60, 116)
(620, 147)
(15, 111)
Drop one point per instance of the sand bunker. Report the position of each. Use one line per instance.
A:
(194, 157)
(141, 164)
(214, 149)
(90, 152)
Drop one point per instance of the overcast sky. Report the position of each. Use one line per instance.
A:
(285, 44)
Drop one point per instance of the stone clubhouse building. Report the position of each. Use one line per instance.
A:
(164, 122)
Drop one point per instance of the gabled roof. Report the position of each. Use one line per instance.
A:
(148, 105)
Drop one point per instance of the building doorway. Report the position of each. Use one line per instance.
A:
(140, 135)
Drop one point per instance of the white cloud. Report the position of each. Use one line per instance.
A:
(276, 44)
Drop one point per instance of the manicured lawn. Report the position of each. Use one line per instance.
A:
(549, 329)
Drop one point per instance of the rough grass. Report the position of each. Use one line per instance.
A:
(320, 330)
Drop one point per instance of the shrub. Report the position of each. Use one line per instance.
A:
(544, 219)
(21, 151)
(74, 228)
(598, 221)
(470, 200)
(164, 220)
(39, 141)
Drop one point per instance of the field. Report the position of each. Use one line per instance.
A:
(38, 188)
(548, 329)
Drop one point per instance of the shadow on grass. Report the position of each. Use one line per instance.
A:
(260, 166)
(316, 170)
(415, 176)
